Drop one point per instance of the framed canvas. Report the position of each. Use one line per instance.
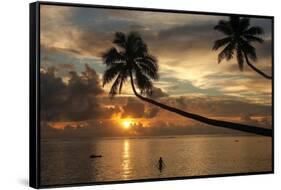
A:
(121, 94)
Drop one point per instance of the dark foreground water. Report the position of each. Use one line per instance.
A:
(65, 162)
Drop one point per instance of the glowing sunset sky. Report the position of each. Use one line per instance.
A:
(73, 39)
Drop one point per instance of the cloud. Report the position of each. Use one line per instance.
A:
(247, 118)
(158, 93)
(151, 112)
(150, 120)
(134, 108)
(75, 100)
(264, 121)
(62, 30)
(185, 87)
(214, 106)
(110, 128)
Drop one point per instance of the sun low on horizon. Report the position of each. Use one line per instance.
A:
(127, 123)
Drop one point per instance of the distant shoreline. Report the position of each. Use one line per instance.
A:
(150, 137)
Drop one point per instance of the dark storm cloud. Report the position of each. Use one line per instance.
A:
(74, 101)
(135, 108)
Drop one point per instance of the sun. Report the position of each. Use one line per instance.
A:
(126, 123)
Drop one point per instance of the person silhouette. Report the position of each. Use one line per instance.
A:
(160, 164)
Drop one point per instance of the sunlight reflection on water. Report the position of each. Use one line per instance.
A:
(126, 159)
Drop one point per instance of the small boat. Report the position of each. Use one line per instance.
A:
(95, 156)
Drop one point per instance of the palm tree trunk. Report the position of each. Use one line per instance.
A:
(218, 123)
(256, 69)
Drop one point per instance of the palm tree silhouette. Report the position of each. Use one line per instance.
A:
(131, 60)
(238, 38)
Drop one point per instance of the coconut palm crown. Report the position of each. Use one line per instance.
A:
(238, 39)
(130, 59)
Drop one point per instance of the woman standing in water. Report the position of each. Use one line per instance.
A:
(161, 164)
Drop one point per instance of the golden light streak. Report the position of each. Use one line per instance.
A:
(127, 123)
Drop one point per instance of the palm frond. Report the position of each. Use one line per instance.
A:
(143, 82)
(149, 66)
(141, 49)
(136, 46)
(248, 49)
(227, 52)
(120, 39)
(133, 37)
(124, 76)
(224, 27)
(221, 42)
(112, 72)
(251, 38)
(114, 87)
(149, 71)
(254, 30)
(112, 56)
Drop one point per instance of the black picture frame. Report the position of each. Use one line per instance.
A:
(34, 93)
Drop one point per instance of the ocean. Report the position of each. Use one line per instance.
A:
(68, 161)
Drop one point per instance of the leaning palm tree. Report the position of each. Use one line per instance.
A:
(238, 39)
(131, 60)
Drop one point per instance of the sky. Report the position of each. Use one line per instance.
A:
(75, 104)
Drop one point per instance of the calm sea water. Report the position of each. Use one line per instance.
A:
(65, 162)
